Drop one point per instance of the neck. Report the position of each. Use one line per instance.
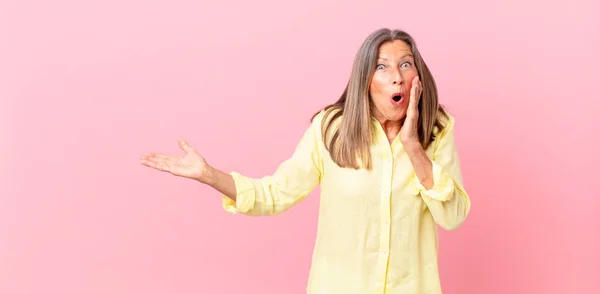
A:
(391, 128)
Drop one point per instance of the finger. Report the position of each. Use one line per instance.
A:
(414, 95)
(415, 81)
(162, 166)
(414, 99)
(415, 86)
(185, 146)
(156, 159)
(420, 91)
(162, 157)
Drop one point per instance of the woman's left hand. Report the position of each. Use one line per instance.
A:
(408, 133)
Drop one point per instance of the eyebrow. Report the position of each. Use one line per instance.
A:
(401, 57)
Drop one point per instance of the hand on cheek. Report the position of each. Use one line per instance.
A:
(408, 133)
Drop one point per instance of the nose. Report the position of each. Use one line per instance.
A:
(397, 77)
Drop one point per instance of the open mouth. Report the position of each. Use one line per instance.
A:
(397, 98)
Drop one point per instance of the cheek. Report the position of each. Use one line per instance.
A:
(410, 76)
(377, 84)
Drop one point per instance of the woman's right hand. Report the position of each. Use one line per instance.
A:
(192, 165)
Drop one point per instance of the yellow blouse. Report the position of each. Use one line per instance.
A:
(376, 229)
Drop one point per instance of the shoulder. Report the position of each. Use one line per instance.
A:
(317, 119)
(327, 114)
(443, 128)
(444, 124)
(327, 119)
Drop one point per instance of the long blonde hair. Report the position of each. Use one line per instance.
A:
(349, 144)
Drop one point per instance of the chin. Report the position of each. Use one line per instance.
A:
(397, 115)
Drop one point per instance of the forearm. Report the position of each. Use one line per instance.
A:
(452, 213)
(273, 194)
(221, 182)
(421, 164)
(447, 201)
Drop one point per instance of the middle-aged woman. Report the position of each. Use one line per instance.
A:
(385, 158)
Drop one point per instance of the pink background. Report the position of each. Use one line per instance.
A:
(87, 87)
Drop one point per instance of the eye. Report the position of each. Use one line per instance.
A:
(380, 66)
(405, 64)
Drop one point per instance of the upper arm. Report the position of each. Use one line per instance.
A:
(445, 152)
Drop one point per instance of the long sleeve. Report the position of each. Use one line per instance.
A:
(293, 180)
(447, 200)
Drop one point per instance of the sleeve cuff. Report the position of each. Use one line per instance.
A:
(443, 185)
(244, 198)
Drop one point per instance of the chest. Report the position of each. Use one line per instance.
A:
(387, 184)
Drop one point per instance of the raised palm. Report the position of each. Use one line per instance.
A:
(192, 165)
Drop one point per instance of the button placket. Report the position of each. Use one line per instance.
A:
(385, 215)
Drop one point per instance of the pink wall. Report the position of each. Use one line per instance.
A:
(87, 88)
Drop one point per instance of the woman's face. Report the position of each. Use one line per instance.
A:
(391, 83)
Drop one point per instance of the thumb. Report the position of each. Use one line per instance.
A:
(185, 146)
